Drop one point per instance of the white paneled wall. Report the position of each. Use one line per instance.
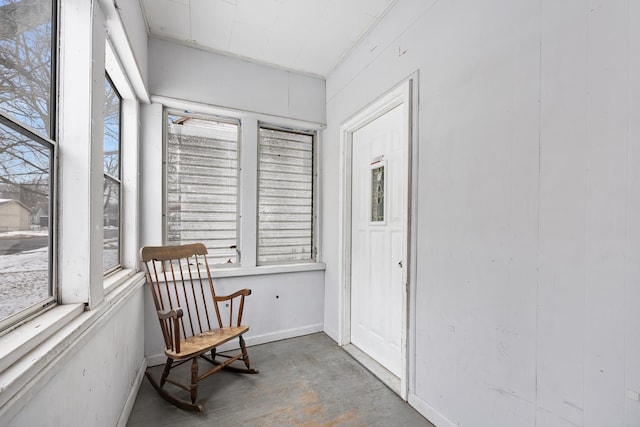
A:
(280, 306)
(195, 75)
(94, 379)
(528, 222)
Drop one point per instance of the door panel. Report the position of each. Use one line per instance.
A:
(379, 247)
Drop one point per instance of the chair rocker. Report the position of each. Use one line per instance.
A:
(190, 316)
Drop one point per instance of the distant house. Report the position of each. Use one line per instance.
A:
(40, 217)
(14, 215)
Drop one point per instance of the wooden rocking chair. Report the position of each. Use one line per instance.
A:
(190, 317)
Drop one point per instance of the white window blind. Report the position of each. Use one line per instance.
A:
(285, 196)
(202, 185)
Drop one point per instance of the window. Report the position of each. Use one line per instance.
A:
(27, 145)
(202, 184)
(252, 210)
(112, 182)
(377, 192)
(285, 196)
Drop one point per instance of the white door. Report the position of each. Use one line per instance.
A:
(379, 237)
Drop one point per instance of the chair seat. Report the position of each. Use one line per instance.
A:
(205, 341)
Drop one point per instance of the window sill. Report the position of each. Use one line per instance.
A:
(117, 278)
(20, 341)
(220, 272)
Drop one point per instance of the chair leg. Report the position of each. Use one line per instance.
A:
(165, 373)
(245, 355)
(245, 358)
(194, 380)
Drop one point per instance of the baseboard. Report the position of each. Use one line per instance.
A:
(282, 335)
(427, 411)
(160, 359)
(131, 398)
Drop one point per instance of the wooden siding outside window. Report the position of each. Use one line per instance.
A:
(285, 196)
(202, 185)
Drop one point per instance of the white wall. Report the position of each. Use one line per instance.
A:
(186, 73)
(280, 306)
(204, 82)
(528, 224)
(90, 383)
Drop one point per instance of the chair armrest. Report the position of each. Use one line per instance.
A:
(172, 333)
(241, 292)
(170, 314)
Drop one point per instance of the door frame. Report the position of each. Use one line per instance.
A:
(403, 93)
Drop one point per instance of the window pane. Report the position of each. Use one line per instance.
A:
(377, 194)
(111, 247)
(26, 62)
(202, 185)
(285, 196)
(25, 166)
(111, 200)
(112, 103)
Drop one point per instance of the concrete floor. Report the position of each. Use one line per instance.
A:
(306, 381)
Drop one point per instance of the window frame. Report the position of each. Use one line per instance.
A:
(118, 180)
(314, 200)
(28, 312)
(129, 169)
(51, 142)
(249, 122)
(166, 112)
(83, 298)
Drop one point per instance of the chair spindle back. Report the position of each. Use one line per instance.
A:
(180, 278)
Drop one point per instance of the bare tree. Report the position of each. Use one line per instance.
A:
(112, 104)
(25, 66)
(25, 95)
(16, 17)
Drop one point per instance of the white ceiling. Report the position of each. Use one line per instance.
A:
(309, 36)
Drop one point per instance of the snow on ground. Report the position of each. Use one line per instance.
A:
(22, 291)
(24, 233)
(36, 259)
(24, 280)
